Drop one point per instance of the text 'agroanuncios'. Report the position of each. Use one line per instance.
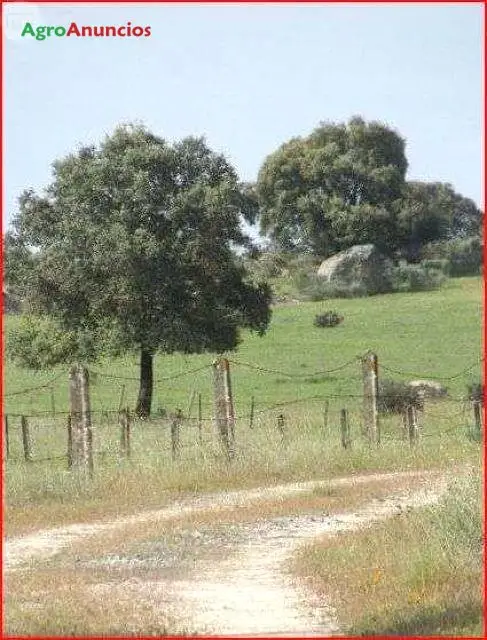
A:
(123, 31)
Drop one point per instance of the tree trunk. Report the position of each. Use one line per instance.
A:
(144, 401)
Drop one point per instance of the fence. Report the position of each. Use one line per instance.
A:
(210, 424)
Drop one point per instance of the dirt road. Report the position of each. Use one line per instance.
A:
(238, 585)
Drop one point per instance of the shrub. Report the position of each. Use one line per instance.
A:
(463, 255)
(411, 277)
(160, 412)
(395, 397)
(12, 301)
(314, 288)
(439, 264)
(302, 262)
(38, 342)
(271, 264)
(328, 319)
(265, 265)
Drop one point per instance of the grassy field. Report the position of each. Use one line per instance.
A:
(434, 334)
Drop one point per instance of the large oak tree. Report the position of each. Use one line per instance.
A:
(134, 245)
(333, 188)
(344, 184)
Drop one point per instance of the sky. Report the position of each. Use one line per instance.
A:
(247, 77)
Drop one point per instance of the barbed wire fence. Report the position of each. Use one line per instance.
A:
(207, 421)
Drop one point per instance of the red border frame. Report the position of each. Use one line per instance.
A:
(483, 205)
(484, 342)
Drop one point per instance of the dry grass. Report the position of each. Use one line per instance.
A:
(65, 597)
(419, 574)
(66, 602)
(39, 497)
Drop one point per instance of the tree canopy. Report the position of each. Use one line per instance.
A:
(433, 211)
(345, 184)
(336, 186)
(134, 250)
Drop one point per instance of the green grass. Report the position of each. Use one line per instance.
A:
(419, 574)
(434, 334)
(431, 334)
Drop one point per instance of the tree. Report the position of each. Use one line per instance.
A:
(134, 245)
(334, 188)
(433, 211)
(18, 265)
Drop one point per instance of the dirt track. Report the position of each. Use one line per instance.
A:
(238, 585)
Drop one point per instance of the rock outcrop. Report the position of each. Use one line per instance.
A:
(359, 266)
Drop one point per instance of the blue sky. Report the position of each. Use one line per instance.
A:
(247, 77)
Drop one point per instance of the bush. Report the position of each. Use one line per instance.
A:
(303, 262)
(463, 255)
(328, 319)
(271, 264)
(12, 301)
(265, 265)
(411, 277)
(160, 412)
(439, 264)
(37, 342)
(314, 288)
(395, 397)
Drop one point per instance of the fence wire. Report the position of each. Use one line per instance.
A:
(152, 438)
(194, 401)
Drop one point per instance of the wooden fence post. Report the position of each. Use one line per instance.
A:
(200, 421)
(70, 442)
(192, 396)
(82, 435)
(121, 424)
(229, 408)
(175, 434)
(281, 426)
(405, 424)
(412, 425)
(370, 372)
(220, 407)
(26, 442)
(127, 432)
(124, 422)
(122, 398)
(345, 429)
(6, 435)
(53, 403)
(252, 409)
(477, 416)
